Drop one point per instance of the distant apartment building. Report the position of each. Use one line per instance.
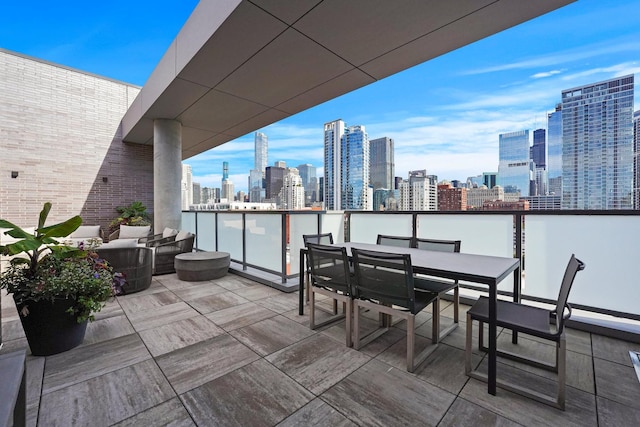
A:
(477, 196)
(332, 185)
(419, 192)
(597, 145)
(381, 163)
(228, 189)
(385, 200)
(490, 179)
(538, 154)
(292, 192)
(354, 176)
(186, 187)
(197, 193)
(210, 195)
(515, 168)
(554, 151)
(257, 174)
(451, 198)
(273, 183)
(309, 182)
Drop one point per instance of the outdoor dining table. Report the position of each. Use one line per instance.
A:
(482, 269)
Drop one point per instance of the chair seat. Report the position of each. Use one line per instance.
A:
(521, 318)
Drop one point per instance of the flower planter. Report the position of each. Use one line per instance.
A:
(49, 328)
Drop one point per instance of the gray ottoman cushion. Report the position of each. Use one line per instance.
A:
(196, 266)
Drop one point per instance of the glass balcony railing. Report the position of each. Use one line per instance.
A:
(270, 242)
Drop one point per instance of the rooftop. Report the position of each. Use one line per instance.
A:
(235, 352)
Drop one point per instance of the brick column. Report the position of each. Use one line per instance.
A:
(167, 174)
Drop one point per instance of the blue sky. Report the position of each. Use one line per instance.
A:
(444, 115)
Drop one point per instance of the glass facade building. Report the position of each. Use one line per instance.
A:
(381, 163)
(331, 187)
(554, 151)
(355, 168)
(597, 145)
(515, 169)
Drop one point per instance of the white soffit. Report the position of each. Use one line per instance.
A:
(239, 65)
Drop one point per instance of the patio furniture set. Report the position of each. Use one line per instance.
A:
(400, 276)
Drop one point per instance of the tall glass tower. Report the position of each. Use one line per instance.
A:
(260, 154)
(597, 145)
(382, 166)
(332, 185)
(355, 168)
(515, 167)
(554, 151)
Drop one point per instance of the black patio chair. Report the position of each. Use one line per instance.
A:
(385, 283)
(440, 286)
(535, 321)
(330, 276)
(400, 241)
(165, 253)
(318, 239)
(134, 263)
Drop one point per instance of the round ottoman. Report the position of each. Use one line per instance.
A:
(196, 266)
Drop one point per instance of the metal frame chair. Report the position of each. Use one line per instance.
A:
(318, 239)
(538, 322)
(399, 241)
(330, 276)
(440, 286)
(385, 283)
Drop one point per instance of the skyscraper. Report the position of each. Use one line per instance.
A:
(332, 186)
(227, 185)
(538, 153)
(515, 169)
(309, 182)
(636, 160)
(354, 174)
(382, 167)
(260, 154)
(292, 192)
(186, 187)
(419, 192)
(554, 151)
(597, 145)
(273, 182)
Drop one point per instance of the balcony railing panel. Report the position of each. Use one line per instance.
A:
(206, 223)
(607, 245)
(298, 226)
(365, 227)
(230, 227)
(480, 234)
(333, 222)
(263, 242)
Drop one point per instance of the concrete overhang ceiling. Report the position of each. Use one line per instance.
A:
(237, 66)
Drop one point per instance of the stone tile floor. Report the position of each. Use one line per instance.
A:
(232, 352)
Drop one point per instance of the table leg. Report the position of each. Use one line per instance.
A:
(517, 291)
(302, 276)
(493, 336)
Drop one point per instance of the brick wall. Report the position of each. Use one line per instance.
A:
(59, 129)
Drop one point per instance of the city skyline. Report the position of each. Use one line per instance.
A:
(445, 116)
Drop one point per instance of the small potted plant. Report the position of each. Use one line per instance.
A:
(133, 215)
(56, 288)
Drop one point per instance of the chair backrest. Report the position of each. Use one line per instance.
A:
(185, 244)
(400, 241)
(572, 269)
(384, 277)
(438, 245)
(329, 267)
(318, 239)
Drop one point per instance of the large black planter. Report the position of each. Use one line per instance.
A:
(49, 328)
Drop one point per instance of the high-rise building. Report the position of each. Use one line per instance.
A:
(477, 196)
(451, 198)
(419, 192)
(538, 154)
(636, 160)
(381, 163)
(260, 154)
(292, 192)
(227, 186)
(490, 179)
(280, 164)
(273, 182)
(597, 145)
(354, 176)
(554, 151)
(332, 186)
(309, 182)
(197, 193)
(186, 187)
(256, 183)
(515, 169)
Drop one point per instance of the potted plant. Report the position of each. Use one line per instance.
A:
(56, 288)
(134, 215)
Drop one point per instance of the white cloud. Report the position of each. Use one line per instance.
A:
(546, 74)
